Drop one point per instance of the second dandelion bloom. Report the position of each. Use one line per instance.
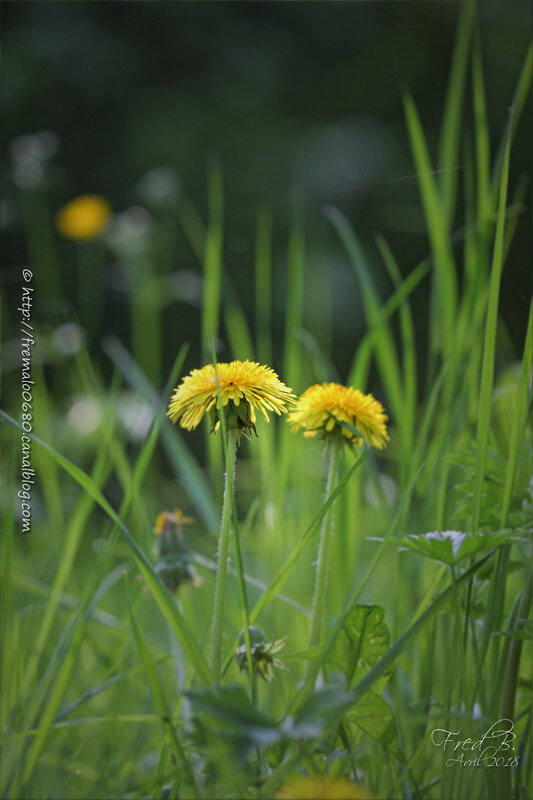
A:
(245, 387)
(337, 415)
(322, 408)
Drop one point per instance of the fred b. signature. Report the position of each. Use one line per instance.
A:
(494, 748)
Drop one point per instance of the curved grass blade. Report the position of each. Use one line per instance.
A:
(451, 122)
(437, 229)
(384, 343)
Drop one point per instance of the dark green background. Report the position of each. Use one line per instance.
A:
(284, 95)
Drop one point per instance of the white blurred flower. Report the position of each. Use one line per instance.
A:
(68, 338)
(85, 415)
(186, 285)
(128, 233)
(29, 154)
(388, 487)
(135, 415)
(29, 147)
(28, 175)
(160, 187)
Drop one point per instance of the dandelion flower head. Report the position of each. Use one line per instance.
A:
(321, 787)
(86, 217)
(245, 386)
(322, 407)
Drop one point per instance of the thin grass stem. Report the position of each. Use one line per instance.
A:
(319, 601)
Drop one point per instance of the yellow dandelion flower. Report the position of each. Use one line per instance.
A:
(244, 387)
(320, 787)
(320, 406)
(86, 217)
(171, 519)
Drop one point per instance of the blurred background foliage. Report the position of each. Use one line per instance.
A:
(283, 97)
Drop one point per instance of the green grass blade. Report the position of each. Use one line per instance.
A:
(295, 297)
(519, 419)
(213, 259)
(521, 95)
(357, 375)
(263, 285)
(437, 229)
(163, 598)
(73, 537)
(240, 341)
(451, 122)
(177, 451)
(192, 224)
(49, 713)
(292, 352)
(482, 140)
(387, 356)
(489, 346)
(407, 327)
(161, 704)
(289, 563)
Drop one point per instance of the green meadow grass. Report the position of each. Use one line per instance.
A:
(107, 688)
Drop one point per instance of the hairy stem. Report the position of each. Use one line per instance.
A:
(223, 553)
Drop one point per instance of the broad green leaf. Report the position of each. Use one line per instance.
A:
(362, 641)
(450, 547)
(311, 652)
(374, 716)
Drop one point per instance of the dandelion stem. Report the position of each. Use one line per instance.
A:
(223, 553)
(319, 600)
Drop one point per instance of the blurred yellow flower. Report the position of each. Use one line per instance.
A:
(320, 787)
(86, 217)
(174, 566)
(174, 518)
(322, 405)
(244, 386)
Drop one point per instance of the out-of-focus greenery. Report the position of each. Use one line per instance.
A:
(283, 96)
